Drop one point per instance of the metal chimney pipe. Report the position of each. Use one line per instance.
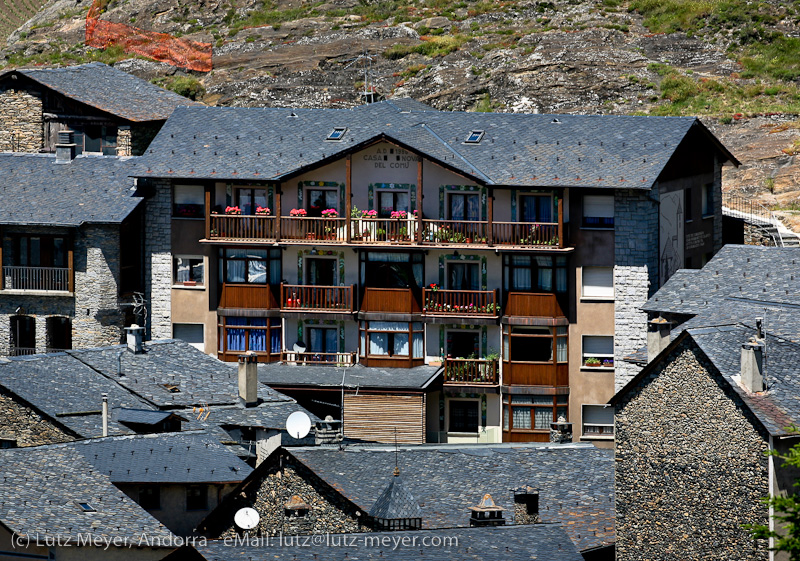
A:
(105, 414)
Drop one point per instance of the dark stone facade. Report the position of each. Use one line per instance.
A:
(691, 468)
(23, 425)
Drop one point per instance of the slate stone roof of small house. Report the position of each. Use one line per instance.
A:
(34, 190)
(576, 481)
(546, 542)
(41, 486)
(517, 149)
(396, 502)
(280, 375)
(110, 90)
(141, 416)
(184, 457)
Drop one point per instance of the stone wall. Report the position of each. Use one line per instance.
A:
(717, 203)
(28, 428)
(328, 511)
(690, 469)
(635, 274)
(158, 259)
(142, 134)
(21, 123)
(124, 145)
(753, 235)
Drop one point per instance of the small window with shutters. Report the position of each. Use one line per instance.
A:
(598, 351)
(598, 283)
(598, 421)
(598, 211)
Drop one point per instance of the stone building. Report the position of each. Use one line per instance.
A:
(513, 250)
(717, 393)
(110, 111)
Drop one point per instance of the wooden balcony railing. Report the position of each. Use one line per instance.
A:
(21, 351)
(383, 230)
(250, 296)
(454, 232)
(469, 371)
(318, 359)
(242, 227)
(300, 298)
(330, 229)
(390, 300)
(535, 374)
(37, 278)
(530, 234)
(460, 302)
(533, 304)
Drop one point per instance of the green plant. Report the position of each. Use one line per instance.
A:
(592, 361)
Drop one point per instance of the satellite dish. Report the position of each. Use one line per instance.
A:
(246, 518)
(299, 347)
(298, 424)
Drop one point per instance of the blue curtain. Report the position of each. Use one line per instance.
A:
(258, 337)
(235, 336)
(275, 335)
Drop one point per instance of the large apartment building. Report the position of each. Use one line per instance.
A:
(514, 249)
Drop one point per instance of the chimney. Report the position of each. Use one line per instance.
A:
(248, 379)
(752, 373)
(65, 148)
(135, 339)
(487, 513)
(526, 505)
(658, 331)
(105, 414)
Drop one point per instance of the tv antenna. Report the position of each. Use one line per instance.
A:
(367, 59)
(298, 425)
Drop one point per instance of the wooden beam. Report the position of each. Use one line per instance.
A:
(277, 212)
(419, 200)
(71, 264)
(348, 196)
(208, 211)
(490, 216)
(561, 220)
(2, 271)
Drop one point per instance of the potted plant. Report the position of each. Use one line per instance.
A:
(233, 210)
(263, 211)
(592, 362)
(381, 234)
(330, 213)
(298, 213)
(608, 362)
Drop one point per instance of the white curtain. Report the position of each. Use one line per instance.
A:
(522, 417)
(379, 343)
(400, 344)
(418, 350)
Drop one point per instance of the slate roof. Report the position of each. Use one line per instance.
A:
(517, 149)
(110, 90)
(181, 457)
(41, 485)
(281, 375)
(576, 481)
(89, 189)
(141, 416)
(395, 502)
(546, 542)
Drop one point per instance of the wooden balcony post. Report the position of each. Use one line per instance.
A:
(348, 197)
(2, 271)
(208, 212)
(278, 212)
(418, 236)
(71, 265)
(490, 216)
(561, 220)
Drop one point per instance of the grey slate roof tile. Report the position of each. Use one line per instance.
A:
(89, 189)
(575, 481)
(396, 501)
(108, 89)
(517, 149)
(278, 374)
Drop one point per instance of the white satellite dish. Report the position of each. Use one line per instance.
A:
(299, 347)
(298, 424)
(246, 518)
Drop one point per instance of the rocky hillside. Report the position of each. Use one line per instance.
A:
(734, 63)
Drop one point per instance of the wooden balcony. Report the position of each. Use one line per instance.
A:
(528, 234)
(318, 359)
(249, 296)
(390, 300)
(324, 299)
(383, 230)
(472, 303)
(471, 372)
(241, 227)
(458, 232)
(313, 229)
(535, 374)
(45, 279)
(533, 304)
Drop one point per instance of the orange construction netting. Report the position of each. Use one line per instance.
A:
(163, 47)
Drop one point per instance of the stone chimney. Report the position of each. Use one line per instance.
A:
(752, 369)
(134, 335)
(658, 331)
(65, 148)
(526, 505)
(105, 414)
(248, 379)
(487, 513)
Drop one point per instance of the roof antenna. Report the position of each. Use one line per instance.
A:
(367, 63)
(396, 467)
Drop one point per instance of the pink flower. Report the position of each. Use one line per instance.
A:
(298, 212)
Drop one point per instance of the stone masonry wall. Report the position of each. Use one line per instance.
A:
(328, 512)
(141, 136)
(28, 428)
(690, 469)
(635, 274)
(20, 121)
(717, 203)
(123, 141)
(158, 259)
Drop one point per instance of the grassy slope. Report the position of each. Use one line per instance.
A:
(13, 13)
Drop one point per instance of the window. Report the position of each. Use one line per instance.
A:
(196, 497)
(464, 415)
(320, 199)
(536, 208)
(598, 282)
(85, 507)
(337, 133)
(687, 204)
(95, 139)
(322, 340)
(40, 251)
(7, 443)
(188, 271)
(23, 335)
(598, 351)
(392, 200)
(59, 333)
(542, 273)
(533, 412)
(260, 335)
(531, 343)
(321, 271)
(474, 137)
(708, 200)
(463, 276)
(189, 201)
(598, 211)
(250, 266)
(598, 421)
(465, 206)
(384, 269)
(150, 497)
(191, 333)
(391, 339)
(248, 199)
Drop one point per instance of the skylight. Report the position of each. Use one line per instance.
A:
(337, 133)
(474, 137)
(85, 507)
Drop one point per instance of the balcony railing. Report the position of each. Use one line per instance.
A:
(299, 298)
(37, 278)
(21, 351)
(439, 302)
(249, 296)
(389, 300)
(318, 359)
(383, 230)
(532, 234)
(298, 228)
(469, 371)
(242, 227)
(454, 232)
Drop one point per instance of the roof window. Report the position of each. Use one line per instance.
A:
(337, 133)
(474, 137)
(85, 507)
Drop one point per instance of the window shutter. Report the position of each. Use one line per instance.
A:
(598, 282)
(598, 345)
(598, 206)
(598, 415)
